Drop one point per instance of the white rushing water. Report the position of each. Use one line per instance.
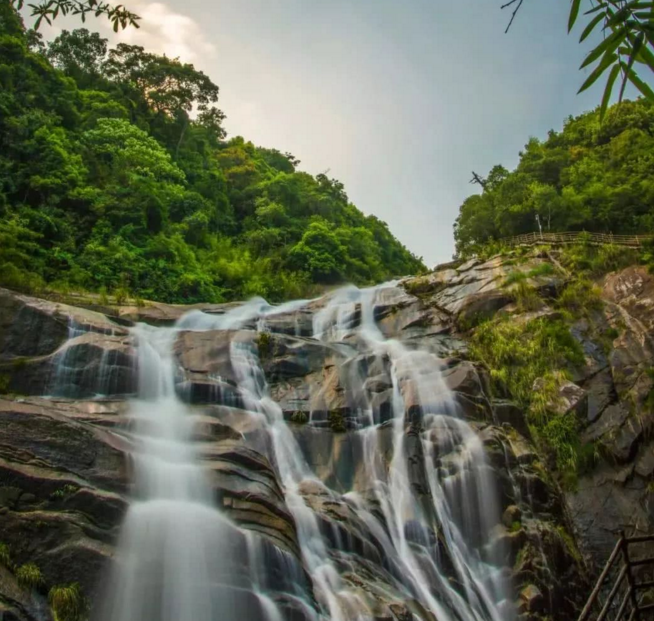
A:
(180, 559)
(175, 548)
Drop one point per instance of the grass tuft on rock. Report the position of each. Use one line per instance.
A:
(5, 556)
(265, 344)
(580, 297)
(299, 417)
(29, 576)
(67, 603)
(336, 421)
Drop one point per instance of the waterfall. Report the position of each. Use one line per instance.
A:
(426, 514)
(175, 550)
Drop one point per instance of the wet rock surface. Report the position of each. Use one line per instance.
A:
(65, 465)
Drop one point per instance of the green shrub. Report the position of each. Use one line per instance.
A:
(299, 417)
(29, 576)
(526, 297)
(517, 354)
(104, 298)
(612, 333)
(560, 433)
(5, 556)
(121, 295)
(67, 603)
(5, 381)
(543, 269)
(584, 258)
(581, 296)
(336, 421)
(420, 286)
(514, 277)
(64, 492)
(265, 344)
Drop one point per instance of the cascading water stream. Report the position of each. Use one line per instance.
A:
(174, 553)
(181, 559)
(418, 371)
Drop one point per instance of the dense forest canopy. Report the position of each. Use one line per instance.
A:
(116, 174)
(590, 176)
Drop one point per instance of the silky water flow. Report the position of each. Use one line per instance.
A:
(180, 559)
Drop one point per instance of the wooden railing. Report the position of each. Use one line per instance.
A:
(630, 591)
(573, 237)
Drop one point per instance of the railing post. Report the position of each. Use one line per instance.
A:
(630, 577)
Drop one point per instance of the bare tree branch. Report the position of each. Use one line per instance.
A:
(515, 11)
(478, 179)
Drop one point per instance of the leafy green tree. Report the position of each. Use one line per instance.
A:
(590, 176)
(80, 54)
(108, 181)
(320, 253)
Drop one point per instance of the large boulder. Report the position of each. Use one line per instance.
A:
(35, 327)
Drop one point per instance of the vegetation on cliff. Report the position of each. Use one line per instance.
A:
(535, 347)
(590, 176)
(116, 175)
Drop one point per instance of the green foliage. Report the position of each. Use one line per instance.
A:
(29, 576)
(336, 421)
(525, 295)
(5, 382)
(627, 38)
(559, 432)
(299, 417)
(109, 184)
(419, 286)
(594, 261)
(265, 344)
(119, 16)
(519, 353)
(626, 42)
(589, 176)
(5, 556)
(581, 296)
(64, 492)
(68, 603)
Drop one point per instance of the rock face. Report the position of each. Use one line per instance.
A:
(611, 393)
(65, 460)
(618, 495)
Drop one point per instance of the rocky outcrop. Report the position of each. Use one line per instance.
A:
(64, 463)
(610, 396)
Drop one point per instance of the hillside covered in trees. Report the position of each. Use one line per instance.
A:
(590, 176)
(116, 175)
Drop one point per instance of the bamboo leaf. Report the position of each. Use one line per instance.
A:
(574, 12)
(646, 56)
(638, 44)
(610, 44)
(599, 7)
(591, 26)
(608, 89)
(641, 86)
(607, 61)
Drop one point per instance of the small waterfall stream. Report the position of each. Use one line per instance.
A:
(174, 552)
(180, 559)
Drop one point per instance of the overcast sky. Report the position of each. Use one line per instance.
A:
(398, 99)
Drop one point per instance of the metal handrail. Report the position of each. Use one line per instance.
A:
(636, 610)
(571, 237)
